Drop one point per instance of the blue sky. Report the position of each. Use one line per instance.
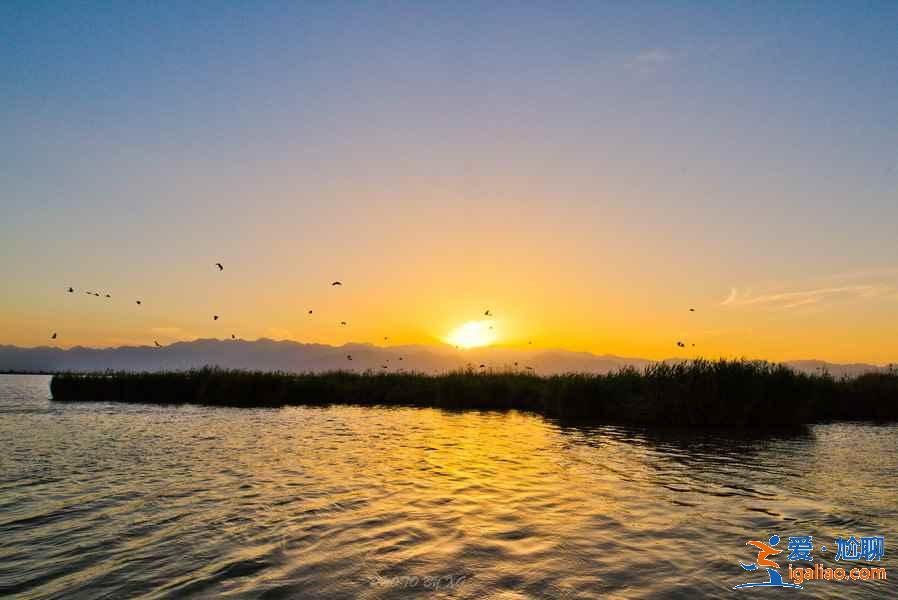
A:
(672, 151)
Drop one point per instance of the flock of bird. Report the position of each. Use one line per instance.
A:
(220, 267)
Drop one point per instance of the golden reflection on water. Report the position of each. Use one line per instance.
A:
(350, 502)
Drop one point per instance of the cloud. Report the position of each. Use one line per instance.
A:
(806, 297)
(656, 56)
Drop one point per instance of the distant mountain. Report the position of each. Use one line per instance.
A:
(271, 355)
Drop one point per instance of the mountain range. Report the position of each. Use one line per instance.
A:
(272, 355)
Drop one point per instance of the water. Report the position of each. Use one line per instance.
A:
(107, 500)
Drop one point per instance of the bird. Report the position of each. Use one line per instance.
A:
(482, 366)
(529, 368)
(487, 313)
(681, 344)
(384, 367)
(53, 337)
(214, 317)
(693, 345)
(530, 342)
(349, 357)
(89, 293)
(138, 301)
(342, 322)
(691, 310)
(220, 267)
(400, 358)
(337, 283)
(310, 312)
(158, 345)
(386, 338)
(233, 337)
(71, 290)
(516, 364)
(108, 296)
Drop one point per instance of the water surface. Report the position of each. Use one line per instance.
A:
(116, 500)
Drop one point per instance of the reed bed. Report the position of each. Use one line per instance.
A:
(698, 393)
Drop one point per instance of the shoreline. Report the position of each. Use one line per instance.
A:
(700, 393)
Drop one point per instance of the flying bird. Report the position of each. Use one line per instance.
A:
(108, 296)
(529, 368)
(681, 344)
(400, 358)
(233, 337)
(53, 337)
(342, 322)
(349, 357)
(71, 290)
(158, 345)
(691, 310)
(482, 366)
(214, 317)
(220, 267)
(138, 301)
(336, 283)
(487, 313)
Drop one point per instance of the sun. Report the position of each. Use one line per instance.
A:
(472, 334)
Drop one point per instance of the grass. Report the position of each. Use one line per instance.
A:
(698, 393)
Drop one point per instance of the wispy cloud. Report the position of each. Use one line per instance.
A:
(812, 296)
(656, 56)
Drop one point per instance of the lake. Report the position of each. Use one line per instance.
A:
(122, 500)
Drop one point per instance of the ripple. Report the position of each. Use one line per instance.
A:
(102, 500)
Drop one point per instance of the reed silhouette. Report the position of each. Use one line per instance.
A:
(697, 393)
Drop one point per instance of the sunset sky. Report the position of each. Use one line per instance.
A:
(586, 171)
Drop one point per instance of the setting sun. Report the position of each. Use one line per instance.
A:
(472, 334)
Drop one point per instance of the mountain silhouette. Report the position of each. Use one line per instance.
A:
(272, 355)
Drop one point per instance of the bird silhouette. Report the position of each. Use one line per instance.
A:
(337, 283)
(487, 313)
(310, 312)
(529, 368)
(233, 337)
(138, 301)
(220, 267)
(400, 358)
(71, 290)
(97, 294)
(214, 317)
(681, 344)
(89, 293)
(158, 345)
(53, 337)
(482, 366)
(384, 367)
(342, 322)
(349, 357)
(691, 310)
(108, 296)
(530, 343)
(516, 364)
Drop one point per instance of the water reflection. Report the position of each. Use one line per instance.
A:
(348, 502)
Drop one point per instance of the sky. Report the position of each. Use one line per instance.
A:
(586, 171)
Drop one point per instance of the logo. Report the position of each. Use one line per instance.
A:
(800, 549)
(774, 579)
